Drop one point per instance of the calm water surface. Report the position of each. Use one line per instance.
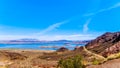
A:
(42, 46)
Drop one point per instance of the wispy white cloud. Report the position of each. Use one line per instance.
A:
(51, 37)
(85, 26)
(52, 27)
(68, 37)
(117, 5)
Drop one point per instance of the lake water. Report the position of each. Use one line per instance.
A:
(42, 46)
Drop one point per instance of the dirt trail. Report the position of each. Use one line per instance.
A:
(94, 53)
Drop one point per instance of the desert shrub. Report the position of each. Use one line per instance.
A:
(114, 56)
(118, 56)
(95, 62)
(75, 62)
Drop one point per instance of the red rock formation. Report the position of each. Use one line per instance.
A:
(108, 43)
(111, 50)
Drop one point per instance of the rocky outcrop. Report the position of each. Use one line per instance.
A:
(78, 48)
(112, 50)
(62, 49)
(11, 56)
(106, 44)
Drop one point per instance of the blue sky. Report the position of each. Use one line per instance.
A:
(58, 19)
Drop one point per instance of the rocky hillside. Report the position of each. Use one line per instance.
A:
(5, 55)
(106, 44)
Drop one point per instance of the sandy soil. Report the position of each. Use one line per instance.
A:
(109, 64)
(14, 58)
(33, 59)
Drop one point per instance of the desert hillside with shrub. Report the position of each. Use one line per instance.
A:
(103, 52)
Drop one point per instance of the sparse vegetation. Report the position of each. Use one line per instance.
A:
(113, 56)
(50, 59)
(95, 62)
(75, 62)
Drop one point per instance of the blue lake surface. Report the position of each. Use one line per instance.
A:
(42, 46)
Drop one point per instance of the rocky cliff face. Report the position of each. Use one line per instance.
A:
(108, 43)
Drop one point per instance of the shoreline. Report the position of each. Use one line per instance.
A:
(20, 50)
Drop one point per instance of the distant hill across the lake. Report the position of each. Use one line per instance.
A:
(36, 41)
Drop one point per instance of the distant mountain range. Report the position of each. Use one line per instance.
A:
(35, 41)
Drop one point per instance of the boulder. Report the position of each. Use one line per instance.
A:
(62, 49)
